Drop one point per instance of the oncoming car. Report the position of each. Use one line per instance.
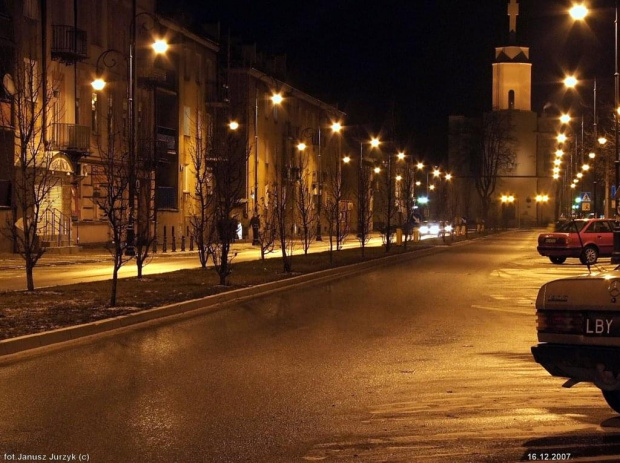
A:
(435, 229)
(578, 324)
(586, 239)
(430, 228)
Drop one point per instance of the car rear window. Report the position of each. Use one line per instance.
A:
(573, 226)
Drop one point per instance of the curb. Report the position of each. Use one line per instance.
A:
(200, 306)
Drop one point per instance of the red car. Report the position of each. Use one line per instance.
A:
(587, 239)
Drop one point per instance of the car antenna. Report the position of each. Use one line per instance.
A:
(581, 243)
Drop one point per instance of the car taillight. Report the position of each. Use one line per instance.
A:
(557, 321)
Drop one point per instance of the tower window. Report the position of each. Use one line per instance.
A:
(511, 99)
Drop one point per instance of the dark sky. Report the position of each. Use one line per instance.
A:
(426, 58)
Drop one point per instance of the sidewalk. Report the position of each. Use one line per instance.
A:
(9, 261)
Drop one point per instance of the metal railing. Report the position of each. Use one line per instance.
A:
(56, 227)
(70, 137)
(68, 44)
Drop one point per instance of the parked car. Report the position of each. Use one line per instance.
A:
(578, 324)
(586, 239)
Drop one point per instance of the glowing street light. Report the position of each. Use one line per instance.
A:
(559, 153)
(160, 46)
(301, 146)
(564, 118)
(585, 167)
(277, 98)
(592, 155)
(562, 138)
(448, 177)
(570, 81)
(233, 125)
(336, 127)
(399, 178)
(602, 140)
(375, 142)
(578, 12)
(377, 170)
(420, 165)
(98, 84)
(401, 155)
(346, 159)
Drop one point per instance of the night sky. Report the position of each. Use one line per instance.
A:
(427, 58)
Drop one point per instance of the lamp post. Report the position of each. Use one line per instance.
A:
(107, 60)
(580, 12)
(540, 199)
(336, 129)
(276, 99)
(363, 200)
(309, 133)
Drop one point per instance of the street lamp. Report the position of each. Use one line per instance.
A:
(107, 60)
(579, 12)
(540, 199)
(276, 99)
(506, 199)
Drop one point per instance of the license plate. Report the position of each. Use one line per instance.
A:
(550, 240)
(601, 325)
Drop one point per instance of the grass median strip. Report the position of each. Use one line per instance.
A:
(23, 312)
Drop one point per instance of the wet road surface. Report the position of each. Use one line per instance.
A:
(428, 360)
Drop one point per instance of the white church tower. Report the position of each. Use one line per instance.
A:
(512, 71)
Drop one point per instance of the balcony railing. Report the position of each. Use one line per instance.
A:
(70, 137)
(68, 44)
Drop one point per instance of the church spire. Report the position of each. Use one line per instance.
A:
(513, 12)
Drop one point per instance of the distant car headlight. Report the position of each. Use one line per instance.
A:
(434, 229)
(424, 230)
(448, 228)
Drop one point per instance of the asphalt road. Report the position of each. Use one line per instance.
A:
(424, 361)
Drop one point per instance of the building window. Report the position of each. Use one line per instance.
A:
(94, 123)
(187, 117)
(199, 67)
(187, 57)
(511, 99)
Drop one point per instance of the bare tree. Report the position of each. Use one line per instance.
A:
(406, 200)
(280, 197)
(112, 176)
(268, 231)
(305, 207)
(229, 153)
(202, 219)
(30, 121)
(492, 153)
(364, 207)
(333, 211)
(146, 212)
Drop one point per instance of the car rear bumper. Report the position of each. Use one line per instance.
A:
(598, 365)
(548, 251)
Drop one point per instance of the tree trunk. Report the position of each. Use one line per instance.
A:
(223, 271)
(29, 274)
(114, 284)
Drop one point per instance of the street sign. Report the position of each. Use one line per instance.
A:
(585, 197)
(585, 206)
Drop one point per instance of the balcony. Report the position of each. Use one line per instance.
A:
(68, 44)
(70, 137)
